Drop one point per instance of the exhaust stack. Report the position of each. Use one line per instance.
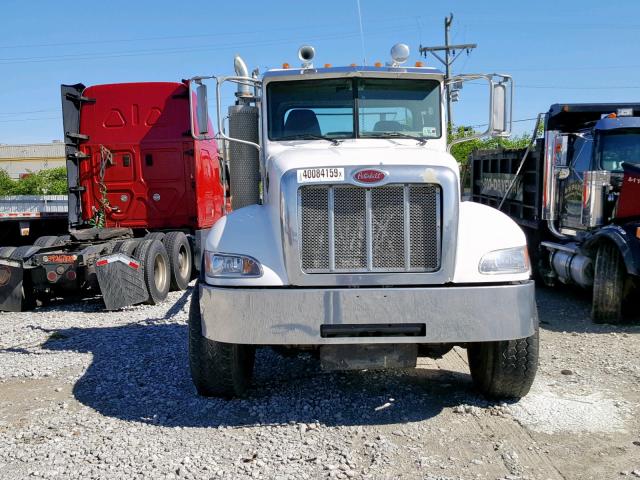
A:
(241, 69)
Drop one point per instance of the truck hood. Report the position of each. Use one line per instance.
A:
(367, 153)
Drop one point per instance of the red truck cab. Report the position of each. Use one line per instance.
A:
(139, 164)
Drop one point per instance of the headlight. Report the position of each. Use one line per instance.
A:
(509, 260)
(230, 266)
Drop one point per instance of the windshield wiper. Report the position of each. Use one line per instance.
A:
(421, 140)
(311, 136)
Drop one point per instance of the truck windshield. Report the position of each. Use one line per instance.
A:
(618, 147)
(384, 108)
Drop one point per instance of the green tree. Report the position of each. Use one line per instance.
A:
(461, 151)
(45, 182)
(6, 183)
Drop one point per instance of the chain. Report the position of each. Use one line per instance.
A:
(99, 214)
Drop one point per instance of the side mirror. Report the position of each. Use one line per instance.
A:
(501, 108)
(199, 110)
(202, 109)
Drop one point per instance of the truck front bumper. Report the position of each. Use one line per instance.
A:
(320, 316)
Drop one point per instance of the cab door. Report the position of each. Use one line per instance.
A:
(580, 157)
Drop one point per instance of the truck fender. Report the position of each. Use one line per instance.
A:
(628, 245)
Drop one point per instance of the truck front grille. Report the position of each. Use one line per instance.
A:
(394, 228)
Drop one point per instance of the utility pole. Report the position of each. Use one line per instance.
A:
(448, 59)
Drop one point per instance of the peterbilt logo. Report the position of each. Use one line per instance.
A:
(369, 175)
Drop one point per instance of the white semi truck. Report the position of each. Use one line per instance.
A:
(348, 235)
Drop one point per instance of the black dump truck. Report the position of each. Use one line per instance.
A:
(576, 194)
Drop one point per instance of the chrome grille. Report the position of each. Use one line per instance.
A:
(349, 233)
(394, 228)
(315, 229)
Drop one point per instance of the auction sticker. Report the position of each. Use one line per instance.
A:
(320, 175)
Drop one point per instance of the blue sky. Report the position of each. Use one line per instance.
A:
(569, 51)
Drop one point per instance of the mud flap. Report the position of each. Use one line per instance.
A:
(368, 356)
(11, 277)
(121, 281)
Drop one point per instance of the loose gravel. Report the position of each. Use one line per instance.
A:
(86, 393)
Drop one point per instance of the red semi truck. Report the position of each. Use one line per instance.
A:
(143, 194)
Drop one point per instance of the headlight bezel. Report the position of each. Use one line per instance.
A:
(215, 264)
(491, 259)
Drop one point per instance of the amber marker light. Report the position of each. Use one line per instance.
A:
(353, 65)
(637, 232)
(327, 65)
(285, 66)
(377, 64)
(419, 64)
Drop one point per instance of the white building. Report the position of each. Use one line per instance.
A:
(19, 160)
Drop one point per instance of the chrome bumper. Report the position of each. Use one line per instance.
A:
(294, 316)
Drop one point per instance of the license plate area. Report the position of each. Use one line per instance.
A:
(365, 357)
(320, 174)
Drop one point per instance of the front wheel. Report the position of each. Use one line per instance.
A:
(217, 369)
(608, 285)
(504, 369)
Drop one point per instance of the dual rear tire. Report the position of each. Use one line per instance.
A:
(180, 257)
(155, 268)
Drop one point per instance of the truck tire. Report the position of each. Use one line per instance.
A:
(28, 301)
(155, 268)
(504, 369)
(23, 252)
(108, 248)
(217, 369)
(154, 236)
(180, 259)
(126, 247)
(45, 241)
(6, 251)
(608, 285)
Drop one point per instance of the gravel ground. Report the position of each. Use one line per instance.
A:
(91, 394)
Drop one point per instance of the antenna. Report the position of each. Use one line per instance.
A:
(364, 54)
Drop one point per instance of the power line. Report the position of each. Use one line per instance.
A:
(195, 35)
(179, 50)
(560, 87)
(28, 112)
(556, 87)
(28, 119)
(514, 121)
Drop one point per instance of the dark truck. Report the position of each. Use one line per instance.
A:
(576, 194)
(142, 195)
